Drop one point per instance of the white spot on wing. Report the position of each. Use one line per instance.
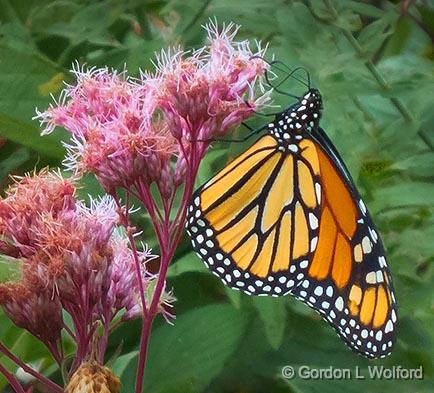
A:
(366, 245)
(362, 207)
(389, 327)
(313, 221)
(313, 243)
(371, 278)
(318, 192)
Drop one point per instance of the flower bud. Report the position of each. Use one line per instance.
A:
(92, 377)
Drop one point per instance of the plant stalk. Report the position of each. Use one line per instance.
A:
(54, 388)
(15, 385)
(168, 239)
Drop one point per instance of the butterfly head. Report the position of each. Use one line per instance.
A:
(300, 118)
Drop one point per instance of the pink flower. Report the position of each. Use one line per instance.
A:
(32, 307)
(113, 132)
(128, 132)
(123, 293)
(20, 210)
(72, 259)
(146, 137)
(206, 94)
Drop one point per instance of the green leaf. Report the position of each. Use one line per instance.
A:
(409, 193)
(122, 363)
(373, 35)
(26, 80)
(187, 356)
(364, 9)
(28, 135)
(21, 76)
(186, 264)
(272, 312)
(10, 269)
(233, 296)
(320, 9)
(22, 344)
(13, 161)
(345, 17)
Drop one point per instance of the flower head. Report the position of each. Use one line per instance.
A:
(113, 132)
(72, 258)
(206, 94)
(130, 133)
(21, 212)
(32, 307)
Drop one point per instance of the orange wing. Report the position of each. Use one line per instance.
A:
(275, 222)
(255, 224)
(348, 280)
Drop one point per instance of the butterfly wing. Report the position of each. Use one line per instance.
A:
(348, 281)
(255, 224)
(272, 223)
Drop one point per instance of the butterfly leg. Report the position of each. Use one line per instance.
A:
(243, 139)
(248, 136)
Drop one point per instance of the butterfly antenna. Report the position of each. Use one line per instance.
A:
(267, 78)
(252, 132)
(291, 72)
(276, 88)
(259, 113)
(307, 75)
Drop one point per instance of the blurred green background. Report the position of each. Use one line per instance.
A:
(224, 341)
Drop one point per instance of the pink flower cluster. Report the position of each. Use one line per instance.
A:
(207, 94)
(134, 132)
(72, 257)
(146, 138)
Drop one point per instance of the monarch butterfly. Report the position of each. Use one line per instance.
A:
(285, 217)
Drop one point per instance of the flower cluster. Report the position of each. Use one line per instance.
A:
(145, 137)
(72, 259)
(207, 94)
(128, 131)
(113, 132)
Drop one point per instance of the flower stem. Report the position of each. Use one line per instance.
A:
(54, 388)
(12, 380)
(132, 242)
(168, 238)
(165, 259)
(144, 344)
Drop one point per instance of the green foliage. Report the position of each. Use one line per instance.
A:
(362, 57)
(199, 346)
(24, 345)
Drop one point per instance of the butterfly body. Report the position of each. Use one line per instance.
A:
(285, 218)
(292, 125)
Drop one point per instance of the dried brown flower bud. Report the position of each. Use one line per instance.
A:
(92, 377)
